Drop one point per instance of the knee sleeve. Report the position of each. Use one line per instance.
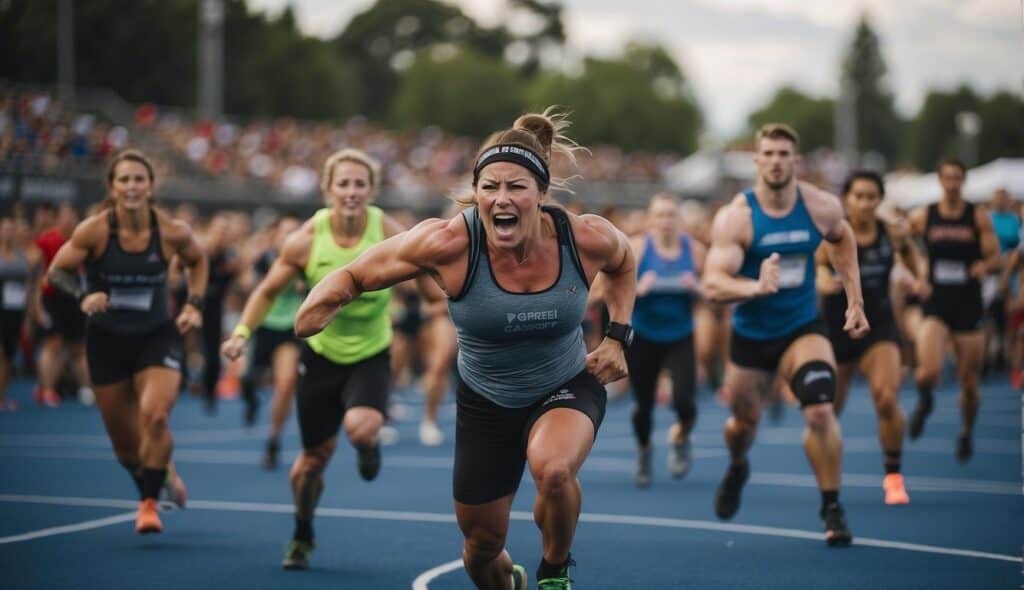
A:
(814, 383)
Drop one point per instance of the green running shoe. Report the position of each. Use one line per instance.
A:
(518, 577)
(559, 582)
(296, 556)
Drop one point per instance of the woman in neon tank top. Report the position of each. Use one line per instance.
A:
(133, 347)
(344, 371)
(517, 274)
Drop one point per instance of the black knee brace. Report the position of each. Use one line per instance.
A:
(814, 383)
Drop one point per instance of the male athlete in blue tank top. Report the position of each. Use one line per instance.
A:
(762, 257)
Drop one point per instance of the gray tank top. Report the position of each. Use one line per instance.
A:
(14, 282)
(516, 347)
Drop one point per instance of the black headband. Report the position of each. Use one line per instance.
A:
(516, 154)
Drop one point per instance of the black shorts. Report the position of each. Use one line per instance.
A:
(765, 355)
(66, 317)
(960, 313)
(490, 440)
(10, 330)
(115, 357)
(265, 342)
(847, 349)
(326, 390)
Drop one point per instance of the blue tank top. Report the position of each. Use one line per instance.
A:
(795, 238)
(665, 313)
(514, 348)
(1007, 230)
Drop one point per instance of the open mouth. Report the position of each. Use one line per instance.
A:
(505, 223)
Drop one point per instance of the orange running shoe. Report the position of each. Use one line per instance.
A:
(148, 520)
(46, 397)
(895, 492)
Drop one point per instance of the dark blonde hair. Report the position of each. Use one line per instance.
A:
(127, 155)
(542, 134)
(777, 131)
(350, 155)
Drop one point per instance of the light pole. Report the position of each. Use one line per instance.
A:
(211, 58)
(968, 127)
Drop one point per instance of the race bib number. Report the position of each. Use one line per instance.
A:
(137, 299)
(14, 295)
(949, 272)
(792, 271)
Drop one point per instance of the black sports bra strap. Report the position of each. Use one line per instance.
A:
(563, 227)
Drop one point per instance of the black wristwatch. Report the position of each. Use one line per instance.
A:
(197, 302)
(621, 332)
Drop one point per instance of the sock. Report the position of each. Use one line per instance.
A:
(303, 530)
(152, 481)
(829, 497)
(925, 397)
(548, 570)
(135, 471)
(892, 461)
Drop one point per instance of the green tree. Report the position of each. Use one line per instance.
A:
(385, 38)
(635, 102)
(934, 134)
(462, 92)
(878, 124)
(1002, 127)
(811, 117)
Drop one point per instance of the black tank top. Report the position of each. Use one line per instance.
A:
(136, 283)
(953, 245)
(875, 261)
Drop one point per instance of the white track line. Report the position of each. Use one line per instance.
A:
(422, 581)
(69, 528)
(619, 519)
(916, 483)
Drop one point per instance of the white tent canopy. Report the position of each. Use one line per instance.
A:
(913, 190)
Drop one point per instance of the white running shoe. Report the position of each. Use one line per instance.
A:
(430, 434)
(86, 397)
(388, 436)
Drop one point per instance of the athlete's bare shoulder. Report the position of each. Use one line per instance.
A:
(825, 208)
(298, 244)
(732, 224)
(435, 242)
(175, 232)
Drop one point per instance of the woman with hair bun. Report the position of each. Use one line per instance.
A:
(517, 273)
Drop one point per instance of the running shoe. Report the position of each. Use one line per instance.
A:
(296, 556)
(269, 460)
(46, 397)
(895, 492)
(918, 417)
(680, 458)
(251, 410)
(964, 448)
(727, 497)
(86, 396)
(173, 490)
(836, 532)
(369, 462)
(388, 435)
(643, 466)
(519, 578)
(560, 582)
(430, 434)
(148, 520)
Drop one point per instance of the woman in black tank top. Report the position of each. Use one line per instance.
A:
(877, 355)
(133, 347)
(962, 248)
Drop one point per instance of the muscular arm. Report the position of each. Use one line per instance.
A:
(725, 257)
(989, 242)
(192, 257)
(63, 273)
(841, 248)
(285, 267)
(399, 258)
(617, 263)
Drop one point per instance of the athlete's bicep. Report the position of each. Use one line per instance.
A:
(384, 265)
(75, 251)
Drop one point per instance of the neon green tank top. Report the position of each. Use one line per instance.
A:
(363, 327)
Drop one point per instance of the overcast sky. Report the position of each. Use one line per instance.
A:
(738, 52)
